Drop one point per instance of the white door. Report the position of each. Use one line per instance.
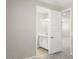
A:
(54, 32)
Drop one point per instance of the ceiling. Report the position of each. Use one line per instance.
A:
(42, 10)
(63, 4)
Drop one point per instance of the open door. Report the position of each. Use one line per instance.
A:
(54, 39)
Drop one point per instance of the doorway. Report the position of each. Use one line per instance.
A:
(41, 31)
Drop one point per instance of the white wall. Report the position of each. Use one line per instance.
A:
(67, 30)
(21, 30)
(66, 24)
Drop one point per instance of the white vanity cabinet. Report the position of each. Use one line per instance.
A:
(43, 41)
